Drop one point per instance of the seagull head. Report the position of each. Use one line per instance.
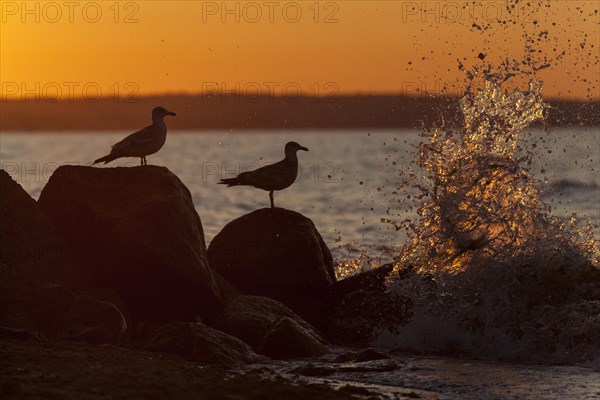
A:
(293, 147)
(161, 112)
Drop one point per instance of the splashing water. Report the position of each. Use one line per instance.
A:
(483, 204)
(497, 275)
(491, 271)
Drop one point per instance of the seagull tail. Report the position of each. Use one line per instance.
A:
(231, 182)
(106, 159)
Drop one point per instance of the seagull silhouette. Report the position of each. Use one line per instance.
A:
(141, 143)
(271, 177)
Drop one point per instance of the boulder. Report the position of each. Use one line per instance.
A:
(253, 319)
(198, 342)
(31, 252)
(370, 354)
(21, 334)
(137, 232)
(365, 355)
(290, 339)
(362, 306)
(61, 314)
(372, 280)
(360, 315)
(39, 277)
(276, 253)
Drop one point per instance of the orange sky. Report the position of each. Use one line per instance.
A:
(364, 46)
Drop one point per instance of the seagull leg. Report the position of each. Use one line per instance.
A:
(271, 198)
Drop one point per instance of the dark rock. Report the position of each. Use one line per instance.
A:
(314, 370)
(373, 280)
(137, 231)
(39, 277)
(370, 355)
(252, 318)
(362, 314)
(276, 253)
(289, 339)
(110, 296)
(356, 391)
(198, 342)
(344, 357)
(95, 321)
(227, 291)
(372, 366)
(351, 331)
(29, 243)
(61, 314)
(362, 306)
(316, 312)
(31, 252)
(21, 334)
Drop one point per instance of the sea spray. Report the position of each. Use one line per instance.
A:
(479, 200)
(497, 275)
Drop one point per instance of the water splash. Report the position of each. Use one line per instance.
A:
(353, 259)
(498, 274)
(480, 202)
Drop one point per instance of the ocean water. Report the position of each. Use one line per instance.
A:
(353, 184)
(346, 184)
(436, 378)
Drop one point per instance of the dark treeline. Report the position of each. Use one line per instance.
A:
(247, 112)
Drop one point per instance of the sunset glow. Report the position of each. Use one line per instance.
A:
(323, 48)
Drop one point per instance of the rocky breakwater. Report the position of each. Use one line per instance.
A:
(136, 232)
(278, 253)
(130, 267)
(42, 285)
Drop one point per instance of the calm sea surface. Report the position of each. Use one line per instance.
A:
(348, 182)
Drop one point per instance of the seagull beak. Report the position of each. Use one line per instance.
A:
(303, 148)
(171, 113)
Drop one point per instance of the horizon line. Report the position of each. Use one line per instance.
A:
(133, 98)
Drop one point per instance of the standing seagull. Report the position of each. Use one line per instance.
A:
(272, 177)
(144, 142)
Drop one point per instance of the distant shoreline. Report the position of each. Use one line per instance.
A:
(236, 112)
(274, 131)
